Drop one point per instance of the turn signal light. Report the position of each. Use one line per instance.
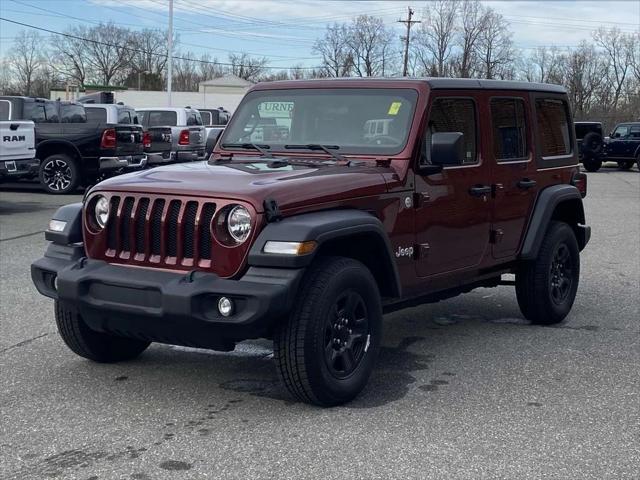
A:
(289, 248)
(184, 138)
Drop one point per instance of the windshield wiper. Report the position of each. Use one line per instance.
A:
(252, 146)
(316, 146)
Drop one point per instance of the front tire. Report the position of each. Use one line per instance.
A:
(59, 174)
(96, 346)
(546, 287)
(327, 348)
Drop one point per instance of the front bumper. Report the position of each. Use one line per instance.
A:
(132, 162)
(167, 307)
(160, 158)
(27, 167)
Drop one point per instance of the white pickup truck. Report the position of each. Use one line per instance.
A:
(17, 149)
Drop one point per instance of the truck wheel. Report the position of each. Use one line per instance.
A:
(592, 164)
(546, 287)
(96, 346)
(326, 350)
(625, 164)
(59, 174)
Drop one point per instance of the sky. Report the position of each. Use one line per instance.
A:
(284, 31)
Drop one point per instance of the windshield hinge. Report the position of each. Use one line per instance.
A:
(272, 210)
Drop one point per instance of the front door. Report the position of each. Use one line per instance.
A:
(453, 206)
(619, 146)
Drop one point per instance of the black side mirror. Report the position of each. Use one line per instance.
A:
(447, 148)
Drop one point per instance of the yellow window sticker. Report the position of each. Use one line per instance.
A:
(394, 108)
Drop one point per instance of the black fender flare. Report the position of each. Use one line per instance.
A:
(323, 227)
(72, 232)
(543, 211)
(51, 143)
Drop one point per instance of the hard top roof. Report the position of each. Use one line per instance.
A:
(433, 83)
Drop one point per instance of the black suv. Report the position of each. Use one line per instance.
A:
(623, 145)
(72, 150)
(589, 138)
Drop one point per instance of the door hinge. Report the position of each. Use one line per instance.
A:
(423, 250)
(495, 236)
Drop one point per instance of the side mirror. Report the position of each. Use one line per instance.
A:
(447, 148)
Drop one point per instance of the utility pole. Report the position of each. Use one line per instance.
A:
(170, 49)
(407, 39)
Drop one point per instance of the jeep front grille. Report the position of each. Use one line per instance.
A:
(150, 230)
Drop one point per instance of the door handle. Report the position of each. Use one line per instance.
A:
(479, 190)
(526, 183)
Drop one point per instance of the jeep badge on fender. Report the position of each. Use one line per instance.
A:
(298, 228)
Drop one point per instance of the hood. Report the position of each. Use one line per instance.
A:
(290, 185)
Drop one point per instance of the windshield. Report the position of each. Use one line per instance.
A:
(358, 121)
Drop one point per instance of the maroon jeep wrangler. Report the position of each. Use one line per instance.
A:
(325, 204)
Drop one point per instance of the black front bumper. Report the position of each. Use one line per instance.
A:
(162, 306)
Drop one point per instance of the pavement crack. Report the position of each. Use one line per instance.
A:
(22, 236)
(24, 342)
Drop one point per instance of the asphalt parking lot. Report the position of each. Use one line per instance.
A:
(464, 388)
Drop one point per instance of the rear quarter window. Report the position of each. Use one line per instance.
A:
(194, 118)
(125, 116)
(552, 117)
(206, 118)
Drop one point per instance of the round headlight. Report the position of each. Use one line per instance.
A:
(102, 211)
(239, 223)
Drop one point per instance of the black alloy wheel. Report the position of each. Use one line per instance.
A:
(347, 334)
(561, 275)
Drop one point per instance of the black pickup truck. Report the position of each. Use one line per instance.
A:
(73, 151)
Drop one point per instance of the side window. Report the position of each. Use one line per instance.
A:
(194, 118)
(35, 113)
(453, 115)
(71, 113)
(206, 118)
(634, 132)
(508, 125)
(51, 110)
(553, 127)
(621, 131)
(124, 116)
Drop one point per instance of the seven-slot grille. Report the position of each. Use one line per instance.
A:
(159, 230)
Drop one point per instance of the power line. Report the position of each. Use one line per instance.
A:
(138, 50)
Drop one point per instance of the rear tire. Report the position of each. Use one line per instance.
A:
(546, 287)
(625, 164)
(59, 174)
(592, 164)
(96, 346)
(327, 348)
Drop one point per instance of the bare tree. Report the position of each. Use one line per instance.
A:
(583, 71)
(209, 67)
(247, 67)
(369, 42)
(334, 48)
(150, 50)
(545, 65)
(109, 51)
(69, 56)
(185, 73)
(473, 19)
(26, 58)
(435, 39)
(495, 47)
(617, 48)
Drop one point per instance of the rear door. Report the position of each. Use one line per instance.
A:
(513, 172)
(452, 218)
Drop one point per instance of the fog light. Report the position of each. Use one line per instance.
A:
(57, 225)
(225, 306)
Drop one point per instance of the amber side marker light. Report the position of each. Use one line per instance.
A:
(289, 248)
